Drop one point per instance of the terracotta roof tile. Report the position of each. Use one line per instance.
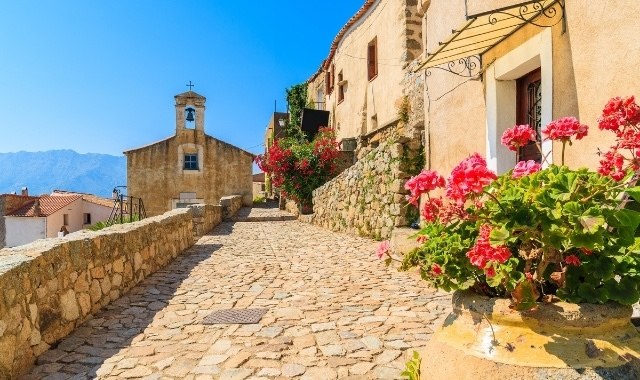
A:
(49, 204)
(91, 198)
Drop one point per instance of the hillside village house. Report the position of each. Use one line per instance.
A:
(523, 63)
(364, 78)
(447, 77)
(44, 216)
(189, 167)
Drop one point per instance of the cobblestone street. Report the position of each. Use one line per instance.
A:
(334, 311)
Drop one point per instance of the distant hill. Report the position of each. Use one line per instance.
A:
(43, 172)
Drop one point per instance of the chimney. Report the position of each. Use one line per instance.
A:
(36, 208)
(24, 192)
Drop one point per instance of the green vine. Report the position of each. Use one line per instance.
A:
(297, 100)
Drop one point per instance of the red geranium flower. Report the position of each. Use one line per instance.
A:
(517, 137)
(482, 253)
(565, 128)
(436, 269)
(572, 260)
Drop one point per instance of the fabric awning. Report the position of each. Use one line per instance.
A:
(485, 30)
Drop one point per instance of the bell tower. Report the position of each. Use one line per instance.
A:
(190, 111)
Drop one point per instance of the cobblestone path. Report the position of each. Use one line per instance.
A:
(334, 311)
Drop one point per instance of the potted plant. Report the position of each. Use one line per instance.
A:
(545, 262)
(297, 166)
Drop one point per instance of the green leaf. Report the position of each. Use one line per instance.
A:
(524, 296)
(634, 192)
(498, 236)
(591, 224)
(626, 218)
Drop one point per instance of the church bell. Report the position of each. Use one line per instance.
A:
(190, 114)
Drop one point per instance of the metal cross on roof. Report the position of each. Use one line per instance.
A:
(190, 85)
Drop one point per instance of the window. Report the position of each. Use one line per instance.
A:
(340, 88)
(191, 161)
(330, 78)
(65, 219)
(528, 111)
(372, 59)
(86, 217)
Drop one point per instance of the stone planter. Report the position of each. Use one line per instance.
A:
(483, 336)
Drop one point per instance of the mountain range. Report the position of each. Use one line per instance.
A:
(43, 172)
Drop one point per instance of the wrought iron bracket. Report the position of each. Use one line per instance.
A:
(542, 10)
(467, 67)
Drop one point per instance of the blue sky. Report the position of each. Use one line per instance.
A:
(100, 76)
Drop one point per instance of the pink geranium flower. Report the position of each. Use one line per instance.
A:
(564, 129)
(517, 137)
(524, 168)
(383, 249)
(470, 176)
(424, 182)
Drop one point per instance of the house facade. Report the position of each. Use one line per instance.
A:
(8, 204)
(363, 80)
(45, 216)
(523, 63)
(189, 167)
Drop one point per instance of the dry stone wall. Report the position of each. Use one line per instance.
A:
(230, 205)
(369, 198)
(50, 287)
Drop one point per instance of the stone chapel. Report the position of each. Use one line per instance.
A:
(189, 167)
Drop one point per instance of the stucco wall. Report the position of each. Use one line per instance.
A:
(56, 220)
(98, 213)
(22, 230)
(52, 286)
(8, 203)
(155, 173)
(370, 104)
(590, 62)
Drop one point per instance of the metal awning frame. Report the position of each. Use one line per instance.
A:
(462, 53)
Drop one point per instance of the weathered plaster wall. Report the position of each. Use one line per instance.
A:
(454, 106)
(155, 173)
(369, 198)
(370, 104)
(591, 61)
(52, 286)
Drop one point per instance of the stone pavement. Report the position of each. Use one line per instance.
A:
(334, 311)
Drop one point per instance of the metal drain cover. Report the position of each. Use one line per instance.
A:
(234, 316)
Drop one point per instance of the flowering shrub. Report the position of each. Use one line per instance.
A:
(536, 234)
(297, 167)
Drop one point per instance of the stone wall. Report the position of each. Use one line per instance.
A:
(205, 217)
(50, 287)
(369, 198)
(230, 205)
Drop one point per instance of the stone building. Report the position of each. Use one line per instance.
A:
(189, 167)
(375, 100)
(367, 75)
(523, 63)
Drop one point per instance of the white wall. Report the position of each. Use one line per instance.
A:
(98, 213)
(23, 230)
